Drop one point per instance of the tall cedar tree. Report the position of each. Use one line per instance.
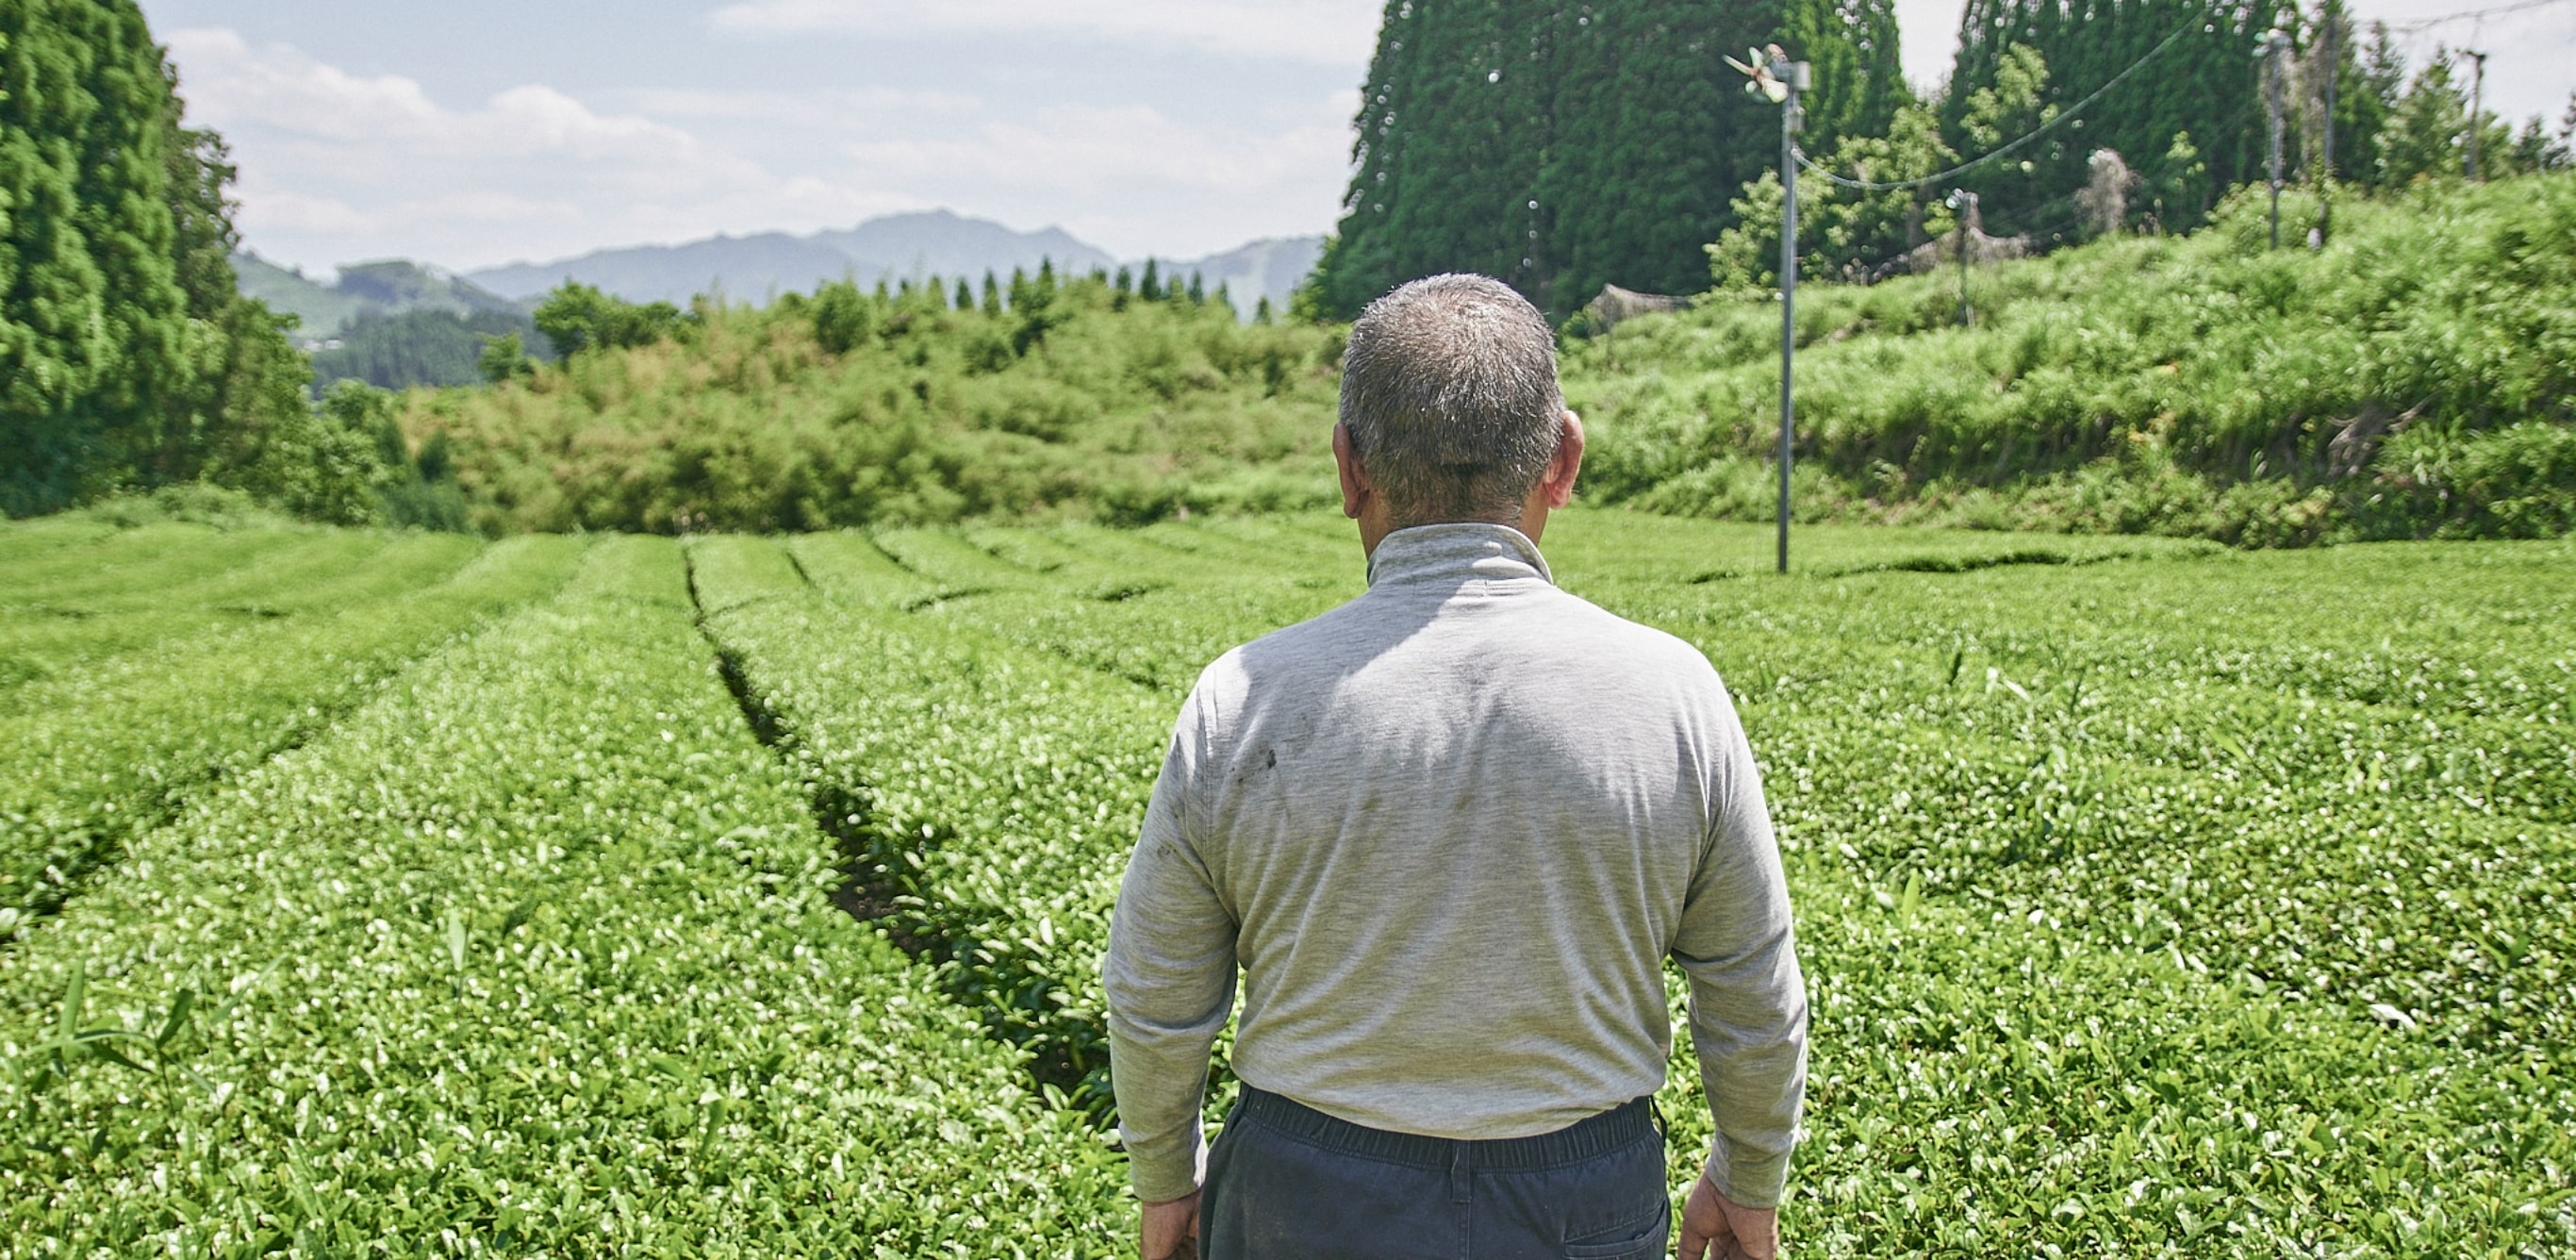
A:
(126, 358)
(1561, 146)
(2208, 85)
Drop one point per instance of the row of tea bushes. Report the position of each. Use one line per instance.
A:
(533, 954)
(986, 795)
(103, 751)
(72, 607)
(2145, 909)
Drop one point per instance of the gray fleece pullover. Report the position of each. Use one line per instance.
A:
(1449, 832)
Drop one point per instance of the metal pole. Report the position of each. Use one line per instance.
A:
(2477, 96)
(1965, 203)
(1794, 74)
(2273, 45)
(2334, 71)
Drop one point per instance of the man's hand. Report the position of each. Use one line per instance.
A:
(1171, 1229)
(1716, 1228)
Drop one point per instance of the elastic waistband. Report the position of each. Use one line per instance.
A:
(1589, 1138)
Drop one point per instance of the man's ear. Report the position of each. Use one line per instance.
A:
(1356, 489)
(1558, 484)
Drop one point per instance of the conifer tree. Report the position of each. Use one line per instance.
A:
(2426, 133)
(2368, 96)
(126, 358)
(1560, 146)
(2208, 84)
(1150, 285)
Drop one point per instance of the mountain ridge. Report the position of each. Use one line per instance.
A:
(912, 245)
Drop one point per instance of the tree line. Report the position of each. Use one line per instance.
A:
(129, 362)
(1564, 146)
(1111, 396)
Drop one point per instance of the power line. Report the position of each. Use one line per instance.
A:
(2426, 24)
(2017, 142)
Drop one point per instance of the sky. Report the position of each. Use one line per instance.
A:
(473, 133)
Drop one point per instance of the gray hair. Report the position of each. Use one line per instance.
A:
(1449, 392)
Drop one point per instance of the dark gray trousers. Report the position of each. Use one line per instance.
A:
(1287, 1182)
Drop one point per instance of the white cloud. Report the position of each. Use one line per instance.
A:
(830, 107)
(338, 167)
(1132, 178)
(1333, 32)
(1086, 149)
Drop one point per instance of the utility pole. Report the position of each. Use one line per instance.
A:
(2334, 73)
(1780, 80)
(2275, 45)
(1794, 74)
(2477, 96)
(1964, 205)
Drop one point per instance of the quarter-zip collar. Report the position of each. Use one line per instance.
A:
(1454, 552)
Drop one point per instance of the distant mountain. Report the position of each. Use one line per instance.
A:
(1270, 269)
(930, 243)
(938, 243)
(750, 267)
(370, 289)
(365, 301)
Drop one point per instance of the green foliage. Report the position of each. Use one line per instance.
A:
(2206, 84)
(2253, 915)
(2143, 908)
(130, 362)
(1745, 258)
(2425, 136)
(325, 463)
(843, 317)
(412, 491)
(854, 407)
(93, 320)
(231, 650)
(504, 358)
(2012, 103)
(1560, 148)
(579, 317)
(424, 347)
(533, 950)
(2200, 386)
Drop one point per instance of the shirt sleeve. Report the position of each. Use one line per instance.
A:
(1169, 976)
(1748, 1001)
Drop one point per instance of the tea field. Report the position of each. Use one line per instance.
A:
(387, 894)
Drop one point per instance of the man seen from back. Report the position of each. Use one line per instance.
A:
(1448, 833)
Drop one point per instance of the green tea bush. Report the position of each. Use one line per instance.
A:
(95, 756)
(986, 803)
(2145, 910)
(2155, 897)
(531, 955)
(157, 584)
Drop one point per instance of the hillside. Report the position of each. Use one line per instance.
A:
(2417, 377)
(2413, 379)
(1075, 400)
(381, 289)
(392, 324)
